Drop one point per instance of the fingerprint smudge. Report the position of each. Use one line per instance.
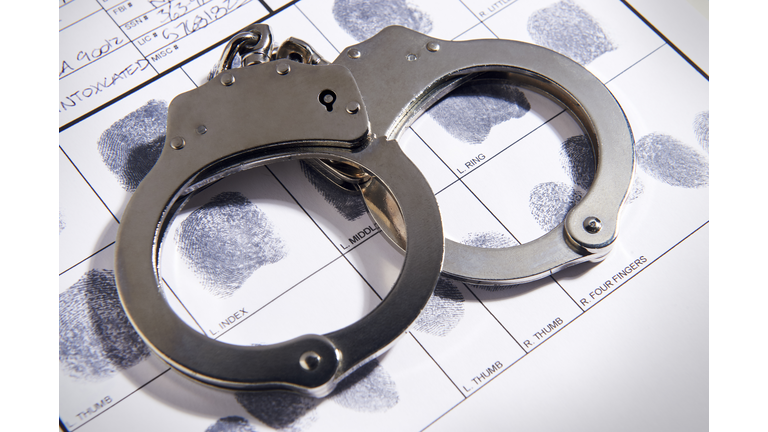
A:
(636, 190)
(469, 112)
(368, 389)
(132, 145)
(443, 311)
(226, 240)
(701, 129)
(669, 160)
(96, 340)
(489, 239)
(550, 202)
(231, 424)
(279, 409)
(578, 160)
(362, 19)
(568, 29)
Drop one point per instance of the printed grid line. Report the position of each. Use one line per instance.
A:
(183, 305)
(338, 51)
(89, 184)
(86, 259)
(123, 32)
(494, 316)
(79, 20)
(118, 401)
(266, 6)
(633, 64)
(566, 292)
(437, 364)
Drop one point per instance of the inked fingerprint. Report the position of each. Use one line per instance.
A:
(226, 240)
(550, 203)
(362, 19)
(469, 112)
(443, 311)
(669, 160)
(636, 190)
(96, 339)
(132, 145)
(568, 29)
(578, 160)
(349, 204)
(368, 389)
(489, 239)
(231, 424)
(701, 128)
(62, 224)
(279, 409)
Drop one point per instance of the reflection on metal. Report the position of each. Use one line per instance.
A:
(344, 118)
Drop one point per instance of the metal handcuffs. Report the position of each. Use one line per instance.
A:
(350, 114)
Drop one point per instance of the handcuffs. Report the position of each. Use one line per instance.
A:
(350, 114)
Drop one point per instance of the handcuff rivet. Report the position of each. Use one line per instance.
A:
(283, 68)
(592, 225)
(202, 129)
(310, 360)
(411, 57)
(433, 47)
(177, 143)
(353, 107)
(227, 79)
(353, 53)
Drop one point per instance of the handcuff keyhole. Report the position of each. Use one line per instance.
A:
(327, 98)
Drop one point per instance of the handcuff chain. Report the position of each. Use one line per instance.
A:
(254, 45)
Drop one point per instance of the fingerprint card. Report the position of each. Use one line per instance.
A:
(278, 251)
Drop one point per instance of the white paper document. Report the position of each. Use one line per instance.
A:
(278, 251)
